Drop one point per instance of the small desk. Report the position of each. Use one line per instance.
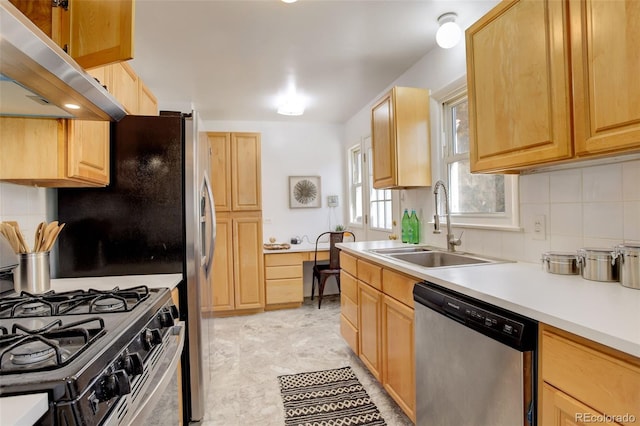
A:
(283, 274)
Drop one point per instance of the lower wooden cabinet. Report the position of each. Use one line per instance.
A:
(370, 327)
(398, 354)
(283, 278)
(377, 322)
(582, 381)
(237, 282)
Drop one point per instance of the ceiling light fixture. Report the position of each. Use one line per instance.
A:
(292, 104)
(449, 33)
(289, 1)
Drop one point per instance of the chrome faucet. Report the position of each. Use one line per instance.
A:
(452, 241)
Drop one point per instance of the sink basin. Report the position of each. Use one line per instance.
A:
(437, 259)
(398, 250)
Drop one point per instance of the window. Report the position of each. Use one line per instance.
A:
(475, 199)
(355, 185)
(380, 204)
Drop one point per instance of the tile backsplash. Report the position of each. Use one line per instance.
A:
(26, 205)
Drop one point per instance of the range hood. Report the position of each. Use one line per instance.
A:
(39, 79)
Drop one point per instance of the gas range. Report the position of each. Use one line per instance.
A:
(95, 353)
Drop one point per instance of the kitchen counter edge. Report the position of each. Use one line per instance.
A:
(604, 312)
(169, 281)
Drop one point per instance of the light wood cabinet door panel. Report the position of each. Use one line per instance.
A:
(384, 149)
(89, 150)
(124, 86)
(559, 409)
(147, 101)
(518, 86)
(248, 262)
(398, 353)
(222, 283)
(221, 170)
(100, 32)
(246, 187)
(369, 327)
(606, 65)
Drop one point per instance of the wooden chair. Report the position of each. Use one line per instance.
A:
(323, 269)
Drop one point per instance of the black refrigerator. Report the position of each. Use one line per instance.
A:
(155, 217)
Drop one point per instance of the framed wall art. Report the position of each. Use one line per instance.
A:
(304, 191)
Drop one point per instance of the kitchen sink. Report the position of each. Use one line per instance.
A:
(434, 258)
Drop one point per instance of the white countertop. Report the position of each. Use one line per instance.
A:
(108, 283)
(23, 410)
(607, 313)
(299, 247)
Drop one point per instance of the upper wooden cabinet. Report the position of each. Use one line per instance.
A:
(93, 32)
(147, 102)
(54, 152)
(531, 71)
(401, 139)
(236, 171)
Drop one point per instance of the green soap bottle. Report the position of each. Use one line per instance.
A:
(414, 223)
(405, 226)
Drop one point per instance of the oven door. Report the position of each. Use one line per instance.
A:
(142, 405)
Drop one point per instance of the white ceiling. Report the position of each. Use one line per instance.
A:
(233, 59)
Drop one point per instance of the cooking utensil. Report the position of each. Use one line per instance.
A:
(628, 257)
(561, 263)
(598, 264)
(39, 234)
(10, 234)
(51, 238)
(23, 243)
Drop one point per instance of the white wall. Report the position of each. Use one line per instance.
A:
(26, 205)
(589, 206)
(298, 149)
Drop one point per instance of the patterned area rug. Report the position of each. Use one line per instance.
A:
(327, 398)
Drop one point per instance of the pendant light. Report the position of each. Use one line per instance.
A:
(449, 33)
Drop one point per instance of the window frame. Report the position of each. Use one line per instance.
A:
(510, 219)
(353, 187)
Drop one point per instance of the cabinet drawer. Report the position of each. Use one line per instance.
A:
(370, 274)
(349, 286)
(287, 271)
(349, 333)
(284, 291)
(606, 380)
(348, 263)
(349, 309)
(322, 255)
(284, 259)
(398, 286)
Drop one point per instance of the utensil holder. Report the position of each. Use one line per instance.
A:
(32, 273)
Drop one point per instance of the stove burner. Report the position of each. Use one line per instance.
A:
(108, 304)
(32, 353)
(34, 308)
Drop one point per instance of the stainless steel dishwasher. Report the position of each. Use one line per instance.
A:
(475, 362)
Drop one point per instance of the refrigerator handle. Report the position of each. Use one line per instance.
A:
(206, 197)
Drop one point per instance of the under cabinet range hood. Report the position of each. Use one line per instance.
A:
(38, 79)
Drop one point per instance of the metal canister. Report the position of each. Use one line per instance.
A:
(32, 273)
(562, 263)
(598, 264)
(628, 258)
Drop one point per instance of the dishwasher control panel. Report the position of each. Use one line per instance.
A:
(483, 318)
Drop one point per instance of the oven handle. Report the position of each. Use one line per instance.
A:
(160, 385)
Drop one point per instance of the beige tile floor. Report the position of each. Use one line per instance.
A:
(249, 352)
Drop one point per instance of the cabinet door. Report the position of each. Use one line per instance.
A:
(88, 151)
(124, 86)
(221, 170)
(246, 184)
(383, 143)
(222, 284)
(147, 102)
(518, 86)
(559, 409)
(248, 262)
(605, 64)
(398, 363)
(369, 327)
(100, 32)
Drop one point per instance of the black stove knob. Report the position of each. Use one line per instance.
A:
(132, 364)
(166, 318)
(151, 338)
(113, 385)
